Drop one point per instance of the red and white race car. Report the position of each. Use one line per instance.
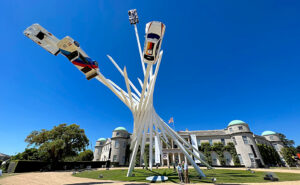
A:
(154, 34)
(67, 47)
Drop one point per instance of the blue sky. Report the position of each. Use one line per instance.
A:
(223, 60)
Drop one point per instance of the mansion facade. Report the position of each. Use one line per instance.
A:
(237, 132)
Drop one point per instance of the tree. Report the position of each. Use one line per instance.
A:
(286, 142)
(219, 149)
(231, 149)
(28, 154)
(288, 153)
(60, 142)
(206, 149)
(269, 155)
(298, 149)
(86, 155)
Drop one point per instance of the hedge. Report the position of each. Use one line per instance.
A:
(29, 166)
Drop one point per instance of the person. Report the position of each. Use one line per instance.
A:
(186, 172)
(107, 164)
(174, 167)
(180, 173)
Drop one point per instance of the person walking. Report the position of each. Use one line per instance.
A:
(180, 173)
(186, 172)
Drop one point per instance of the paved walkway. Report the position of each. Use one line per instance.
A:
(65, 178)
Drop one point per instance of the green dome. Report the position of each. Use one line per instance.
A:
(236, 122)
(101, 139)
(268, 132)
(120, 128)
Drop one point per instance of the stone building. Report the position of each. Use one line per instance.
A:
(236, 132)
(114, 148)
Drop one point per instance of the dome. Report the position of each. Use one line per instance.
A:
(268, 132)
(120, 128)
(101, 139)
(236, 122)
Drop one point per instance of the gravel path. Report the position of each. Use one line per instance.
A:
(66, 178)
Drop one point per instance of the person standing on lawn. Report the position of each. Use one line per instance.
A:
(180, 173)
(186, 172)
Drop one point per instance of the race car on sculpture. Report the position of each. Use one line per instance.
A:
(67, 47)
(42, 37)
(154, 34)
(70, 48)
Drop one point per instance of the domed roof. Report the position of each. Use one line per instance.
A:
(101, 139)
(120, 128)
(268, 132)
(236, 122)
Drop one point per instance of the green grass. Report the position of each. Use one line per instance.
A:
(222, 175)
(286, 168)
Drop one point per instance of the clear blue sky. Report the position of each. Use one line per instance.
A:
(223, 60)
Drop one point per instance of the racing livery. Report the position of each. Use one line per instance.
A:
(154, 34)
(67, 47)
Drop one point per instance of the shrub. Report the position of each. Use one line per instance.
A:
(288, 153)
(85, 156)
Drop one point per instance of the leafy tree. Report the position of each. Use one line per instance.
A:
(288, 153)
(28, 154)
(286, 142)
(86, 155)
(269, 155)
(60, 142)
(298, 149)
(219, 149)
(206, 149)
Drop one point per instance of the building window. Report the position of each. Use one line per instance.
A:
(223, 141)
(252, 148)
(210, 142)
(245, 140)
(234, 141)
(199, 142)
(117, 133)
(124, 145)
(251, 156)
(240, 127)
(230, 129)
(116, 144)
(271, 137)
(241, 159)
(115, 158)
(275, 146)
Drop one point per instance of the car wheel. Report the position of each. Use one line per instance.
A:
(76, 43)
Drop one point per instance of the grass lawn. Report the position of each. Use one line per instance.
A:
(286, 168)
(222, 175)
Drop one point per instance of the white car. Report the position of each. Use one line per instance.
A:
(71, 49)
(67, 47)
(42, 37)
(154, 34)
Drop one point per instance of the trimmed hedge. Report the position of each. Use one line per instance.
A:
(29, 166)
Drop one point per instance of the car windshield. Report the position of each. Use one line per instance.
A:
(153, 36)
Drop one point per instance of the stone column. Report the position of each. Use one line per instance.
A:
(179, 158)
(173, 157)
(172, 144)
(168, 161)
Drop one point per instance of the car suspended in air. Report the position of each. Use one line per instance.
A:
(67, 47)
(71, 49)
(154, 34)
(42, 37)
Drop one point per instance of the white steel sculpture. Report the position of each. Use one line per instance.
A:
(147, 122)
